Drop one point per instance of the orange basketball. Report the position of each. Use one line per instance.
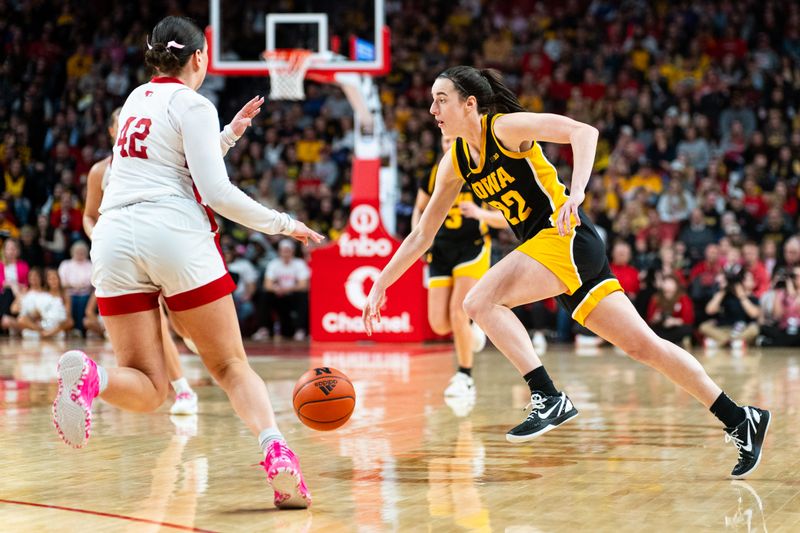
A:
(323, 398)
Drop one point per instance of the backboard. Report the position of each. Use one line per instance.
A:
(344, 36)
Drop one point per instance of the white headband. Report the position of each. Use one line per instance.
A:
(171, 44)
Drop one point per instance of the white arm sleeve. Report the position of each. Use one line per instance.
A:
(201, 142)
(227, 139)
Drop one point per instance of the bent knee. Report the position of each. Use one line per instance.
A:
(150, 402)
(476, 302)
(228, 370)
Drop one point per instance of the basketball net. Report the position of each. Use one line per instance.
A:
(287, 70)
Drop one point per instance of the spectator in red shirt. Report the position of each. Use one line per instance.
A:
(560, 87)
(67, 216)
(703, 277)
(537, 62)
(732, 43)
(751, 257)
(671, 312)
(753, 199)
(627, 274)
(592, 88)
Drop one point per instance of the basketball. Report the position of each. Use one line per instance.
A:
(323, 398)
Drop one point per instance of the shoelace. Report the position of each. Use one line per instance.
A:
(184, 396)
(734, 438)
(536, 403)
(277, 449)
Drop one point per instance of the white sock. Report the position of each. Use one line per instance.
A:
(102, 378)
(181, 385)
(268, 435)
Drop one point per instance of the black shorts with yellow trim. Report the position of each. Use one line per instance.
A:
(452, 259)
(579, 260)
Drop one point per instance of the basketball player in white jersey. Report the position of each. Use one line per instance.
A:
(96, 183)
(157, 236)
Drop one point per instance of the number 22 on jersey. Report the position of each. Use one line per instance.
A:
(512, 199)
(130, 141)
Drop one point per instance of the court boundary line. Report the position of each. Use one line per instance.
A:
(107, 515)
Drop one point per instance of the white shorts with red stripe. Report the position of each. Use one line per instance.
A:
(145, 249)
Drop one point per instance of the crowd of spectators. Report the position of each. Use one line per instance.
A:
(695, 184)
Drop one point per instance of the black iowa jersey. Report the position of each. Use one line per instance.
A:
(524, 186)
(457, 227)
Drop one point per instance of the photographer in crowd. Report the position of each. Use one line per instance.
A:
(781, 305)
(733, 311)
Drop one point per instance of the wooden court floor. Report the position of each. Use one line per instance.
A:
(642, 455)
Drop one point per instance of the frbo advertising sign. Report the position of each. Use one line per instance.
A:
(342, 275)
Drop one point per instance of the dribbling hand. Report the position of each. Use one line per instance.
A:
(303, 233)
(372, 309)
(245, 115)
(570, 208)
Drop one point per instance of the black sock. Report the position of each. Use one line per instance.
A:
(538, 381)
(727, 411)
(465, 370)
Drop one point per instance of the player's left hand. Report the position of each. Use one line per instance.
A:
(570, 208)
(244, 117)
(470, 210)
(372, 309)
(304, 234)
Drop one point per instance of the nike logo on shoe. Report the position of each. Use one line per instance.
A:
(749, 447)
(547, 413)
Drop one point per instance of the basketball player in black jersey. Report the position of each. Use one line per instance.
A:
(561, 254)
(460, 255)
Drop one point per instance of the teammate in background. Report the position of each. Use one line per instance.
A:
(497, 152)
(156, 236)
(96, 182)
(460, 255)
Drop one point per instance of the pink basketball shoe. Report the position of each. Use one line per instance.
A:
(283, 474)
(78, 386)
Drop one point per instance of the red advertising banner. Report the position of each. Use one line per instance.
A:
(342, 275)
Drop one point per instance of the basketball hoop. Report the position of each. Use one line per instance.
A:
(287, 70)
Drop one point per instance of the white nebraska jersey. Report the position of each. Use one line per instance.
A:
(168, 144)
(149, 161)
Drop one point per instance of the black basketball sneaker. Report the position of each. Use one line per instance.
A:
(547, 412)
(748, 437)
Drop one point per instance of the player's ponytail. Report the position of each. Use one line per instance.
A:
(487, 86)
(505, 101)
(173, 41)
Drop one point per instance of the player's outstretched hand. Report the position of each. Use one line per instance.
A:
(244, 117)
(565, 214)
(303, 233)
(372, 309)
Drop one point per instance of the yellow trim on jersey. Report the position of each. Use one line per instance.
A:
(432, 179)
(593, 297)
(454, 157)
(475, 268)
(483, 227)
(555, 252)
(547, 178)
(544, 173)
(506, 151)
(482, 158)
